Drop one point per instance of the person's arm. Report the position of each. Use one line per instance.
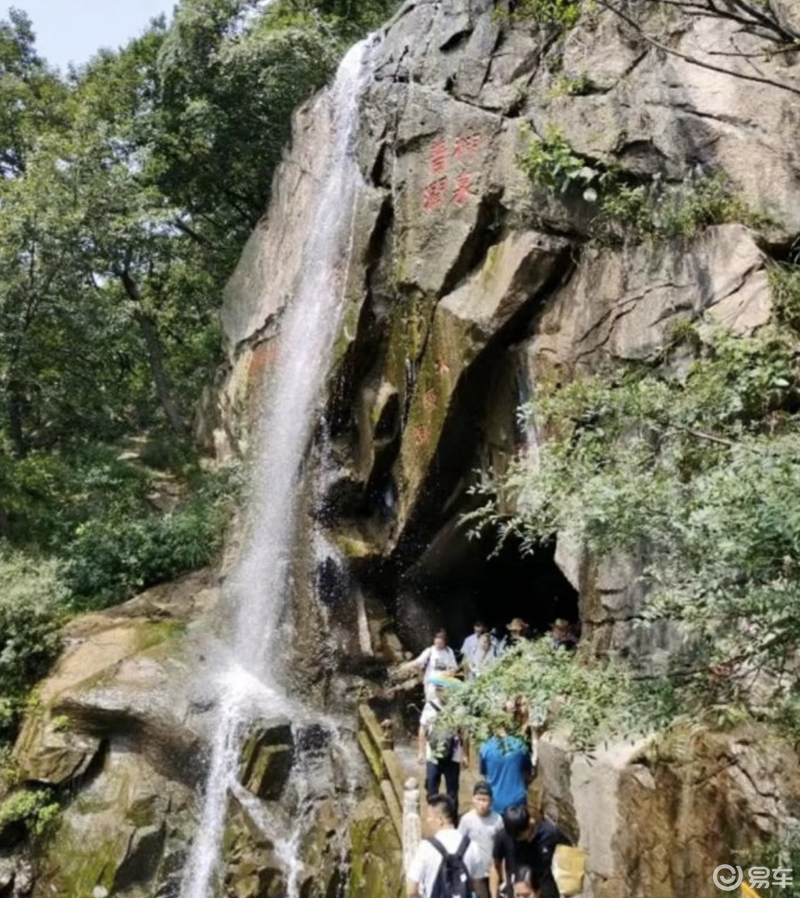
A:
(422, 739)
(412, 889)
(421, 661)
(527, 767)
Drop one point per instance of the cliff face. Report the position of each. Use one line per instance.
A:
(465, 286)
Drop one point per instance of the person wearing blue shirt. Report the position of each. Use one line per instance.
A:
(505, 761)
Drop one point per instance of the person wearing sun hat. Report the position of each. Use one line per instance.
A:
(517, 632)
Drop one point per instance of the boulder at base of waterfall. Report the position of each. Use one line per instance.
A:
(266, 761)
(376, 855)
(252, 868)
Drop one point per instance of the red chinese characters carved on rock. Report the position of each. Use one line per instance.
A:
(434, 194)
(463, 184)
(466, 146)
(437, 193)
(439, 157)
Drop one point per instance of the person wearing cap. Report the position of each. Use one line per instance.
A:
(481, 825)
(517, 632)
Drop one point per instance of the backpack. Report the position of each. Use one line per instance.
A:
(452, 880)
(443, 742)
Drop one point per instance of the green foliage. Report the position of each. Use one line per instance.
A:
(671, 212)
(629, 210)
(697, 476)
(592, 703)
(579, 86)
(550, 162)
(563, 14)
(32, 599)
(36, 810)
(784, 281)
(113, 557)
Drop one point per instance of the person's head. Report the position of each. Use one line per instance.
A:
(560, 628)
(517, 629)
(440, 639)
(517, 821)
(441, 812)
(480, 627)
(485, 640)
(482, 798)
(526, 883)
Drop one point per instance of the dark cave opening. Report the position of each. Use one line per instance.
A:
(459, 580)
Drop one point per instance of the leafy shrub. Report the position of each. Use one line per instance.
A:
(47, 495)
(563, 14)
(112, 559)
(550, 162)
(591, 702)
(678, 211)
(784, 281)
(36, 810)
(625, 209)
(699, 477)
(32, 598)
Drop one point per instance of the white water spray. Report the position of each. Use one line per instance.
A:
(251, 688)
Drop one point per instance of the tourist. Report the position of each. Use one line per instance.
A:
(481, 824)
(439, 748)
(437, 658)
(505, 761)
(471, 642)
(517, 633)
(447, 842)
(527, 842)
(526, 884)
(482, 657)
(562, 637)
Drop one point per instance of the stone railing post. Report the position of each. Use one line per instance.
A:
(412, 825)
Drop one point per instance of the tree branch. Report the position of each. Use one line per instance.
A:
(693, 60)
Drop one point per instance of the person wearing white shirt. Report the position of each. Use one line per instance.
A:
(471, 642)
(481, 824)
(437, 658)
(425, 865)
(441, 751)
(482, 658)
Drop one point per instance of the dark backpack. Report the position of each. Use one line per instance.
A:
(443, 742)
(452, 880)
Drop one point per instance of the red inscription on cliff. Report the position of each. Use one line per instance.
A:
(441, 191)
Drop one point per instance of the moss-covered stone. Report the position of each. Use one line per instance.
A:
(376, 856)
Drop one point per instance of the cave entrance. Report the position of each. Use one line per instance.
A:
(462, 580)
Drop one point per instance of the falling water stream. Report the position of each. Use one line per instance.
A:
(250, 687)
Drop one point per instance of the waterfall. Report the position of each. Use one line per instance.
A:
(250, 685)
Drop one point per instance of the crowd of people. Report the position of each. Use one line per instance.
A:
(500, 832)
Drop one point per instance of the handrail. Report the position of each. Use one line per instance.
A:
(401, 796)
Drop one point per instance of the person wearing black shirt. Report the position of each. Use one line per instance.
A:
(527, 843)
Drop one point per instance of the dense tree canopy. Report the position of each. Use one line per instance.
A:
(127, 189)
